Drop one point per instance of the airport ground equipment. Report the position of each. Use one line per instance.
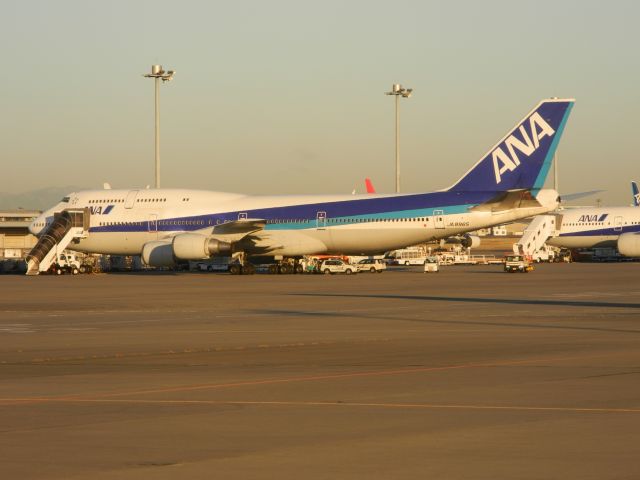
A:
(541, 228)
(517, 263)
(431, 265)
(65, 227)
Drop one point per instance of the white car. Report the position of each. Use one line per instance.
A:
(431, 265)
(372, 265)
(337, 266)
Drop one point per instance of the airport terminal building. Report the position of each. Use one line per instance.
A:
(15, 239)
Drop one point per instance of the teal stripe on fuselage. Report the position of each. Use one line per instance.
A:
(374, 217)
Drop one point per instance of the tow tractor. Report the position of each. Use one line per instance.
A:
(517, 263)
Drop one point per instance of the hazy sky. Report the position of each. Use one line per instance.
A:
(287, 96)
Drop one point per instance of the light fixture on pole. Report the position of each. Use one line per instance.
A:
(399, 91)
(159, 74)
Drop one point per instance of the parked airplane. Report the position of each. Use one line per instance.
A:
(586, 227)
(169, 225)
(599, 227)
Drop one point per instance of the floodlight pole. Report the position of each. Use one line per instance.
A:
(398, 91)
(157, 130)
(157, 73)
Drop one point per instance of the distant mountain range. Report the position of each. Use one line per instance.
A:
(35, 199)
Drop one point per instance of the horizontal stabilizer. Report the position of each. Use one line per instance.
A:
(508, 201)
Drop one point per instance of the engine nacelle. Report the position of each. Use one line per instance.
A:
(158, 254)
(629, 244)
(470, 241)
(193, 246)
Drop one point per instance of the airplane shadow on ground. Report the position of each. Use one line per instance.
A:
(426, 298)
(506, 301)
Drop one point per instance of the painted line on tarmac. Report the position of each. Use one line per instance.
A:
(275, 381)
(284, 403)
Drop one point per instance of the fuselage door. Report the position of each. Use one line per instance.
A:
(617, 222)
(152, 224)
(321, 220)
(438, 218)
(131, 199)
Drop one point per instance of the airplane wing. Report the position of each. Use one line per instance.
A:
(576, 196)
(234, 231)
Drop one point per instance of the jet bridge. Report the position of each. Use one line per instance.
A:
(65, 227)
(541, 228)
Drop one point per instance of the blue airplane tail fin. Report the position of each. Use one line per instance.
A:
(521, 160)
(636, 194)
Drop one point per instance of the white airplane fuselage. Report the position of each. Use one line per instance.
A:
(595, 227)
(123, 221)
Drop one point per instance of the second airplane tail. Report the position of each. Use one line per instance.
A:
(521, 160)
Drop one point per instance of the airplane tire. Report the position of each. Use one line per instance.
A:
(248, 269)
(285, 269)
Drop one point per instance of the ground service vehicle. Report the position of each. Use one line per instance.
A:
(337, 266)
(431, 265)
(408, 256)
(372, 265)
(67, 263)
(517, 263)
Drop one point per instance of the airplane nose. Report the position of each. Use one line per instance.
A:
(34, 227)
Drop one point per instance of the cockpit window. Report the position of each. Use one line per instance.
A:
(65, 200)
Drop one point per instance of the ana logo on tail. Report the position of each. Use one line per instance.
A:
(509, 160)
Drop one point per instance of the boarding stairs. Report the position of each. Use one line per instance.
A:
(66, 226)
(541, 228)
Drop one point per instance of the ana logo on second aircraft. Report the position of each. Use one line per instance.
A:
(99, 210)
(592, 218)
(509, 160)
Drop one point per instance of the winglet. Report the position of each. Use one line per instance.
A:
(636, 193)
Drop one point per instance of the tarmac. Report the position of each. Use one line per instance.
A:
(470, 373)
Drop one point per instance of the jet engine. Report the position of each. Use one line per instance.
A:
(193, 246)
(629, 244)
(186, 246)
(470, 241)
(158, 254)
